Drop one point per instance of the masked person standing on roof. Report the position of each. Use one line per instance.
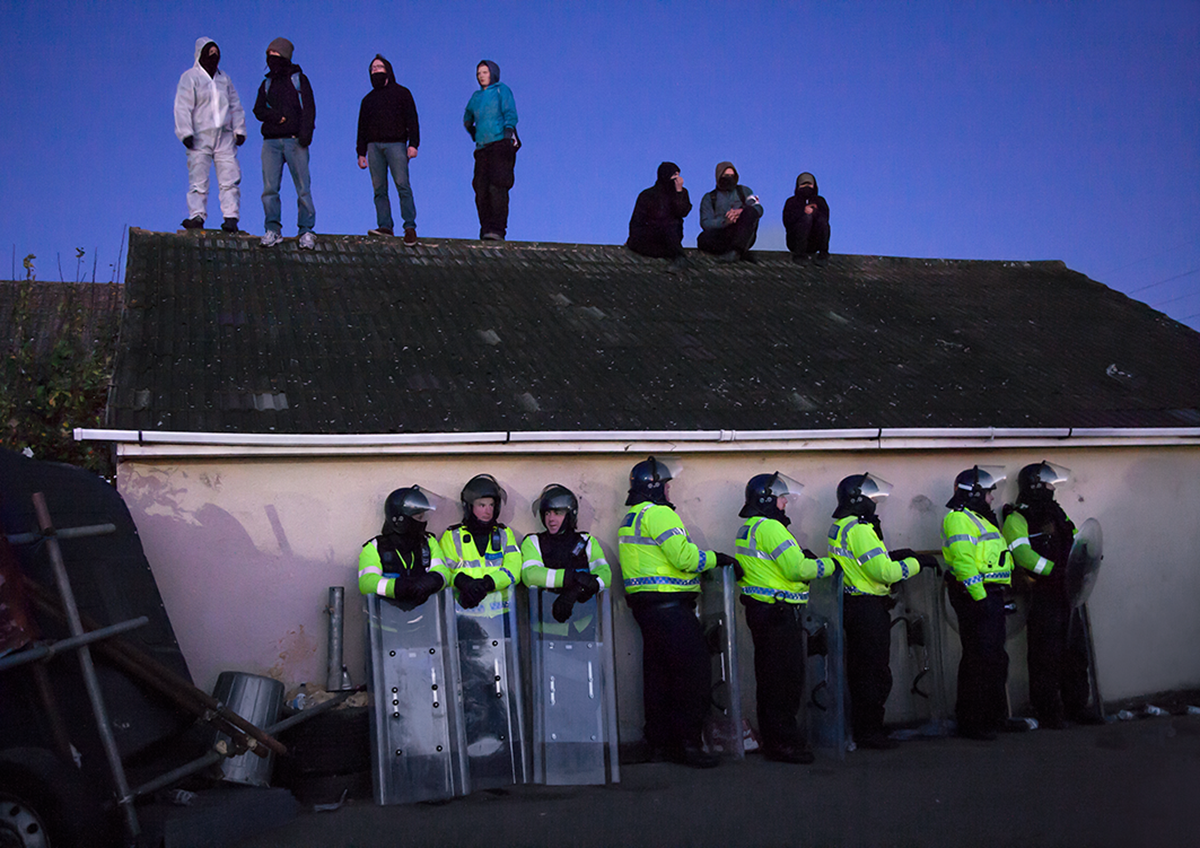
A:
(806, 222)
(491, 121)
(856, 545)
(404, 561)
(288, 114)
(562, 558)
(1040, 536)
(210, 122)
(776, 572)
(482, 553)
(388, 136)
(656, 226)
(729, 217)
(980, 569)
(661, 569)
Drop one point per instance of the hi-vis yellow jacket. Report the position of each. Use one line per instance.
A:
(975, 550)
(775, 569)
(866, 567)
(656, 553)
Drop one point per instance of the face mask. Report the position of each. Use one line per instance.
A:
(726, 182)
(378, 79)
(209, 62)
(277, 64)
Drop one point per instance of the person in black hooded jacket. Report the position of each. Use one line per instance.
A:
(806, 220)
(656, 226)
(388, 136)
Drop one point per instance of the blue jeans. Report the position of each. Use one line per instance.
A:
(394, 154)
(276, 151)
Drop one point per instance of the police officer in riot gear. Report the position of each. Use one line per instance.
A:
(563, 558)
(661, 570)
(1040, 536)
(482, 552)
(979, 570)
(775, 575)
(404, 561)
(856, 545)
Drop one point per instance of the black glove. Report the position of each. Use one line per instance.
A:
(402, 589)
(929, 561)
(239, 139)
(725, 559)
(588, 584)
(808, 554)
(470, 128)
(426, 585)
(187, 142)
(565, 602)
(472, 590)
(902, 553)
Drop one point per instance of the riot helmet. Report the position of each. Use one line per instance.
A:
(971, 486)
(648, 479)
(763, 492)
(557, 496)
(1037, 481)
(859, 493)
(403, 505)
(482, 486)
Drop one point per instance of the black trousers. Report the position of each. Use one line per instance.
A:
(739, 236)
(778, 669)
(494, 166)
(868, 626)
(1057, 653)
(983, 669)
(676, 668)
(810, 234)
(658, 244)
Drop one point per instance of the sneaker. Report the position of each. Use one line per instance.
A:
(196, 223)
(270, 239)
(380, 231)
(800, 258)
(230, 225)
(410, 236)
(308, 241)
(821, 259)
(728, 256)
(490, 236)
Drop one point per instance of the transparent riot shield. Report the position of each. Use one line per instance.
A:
(416, 720)
(573, 696)
(1083, 568)
(490, 691)
(825, 709)
(723, 727)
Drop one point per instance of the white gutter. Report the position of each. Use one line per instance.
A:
(160, 443)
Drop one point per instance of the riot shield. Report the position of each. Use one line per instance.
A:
(1083, 564)
(573, 696)
(490, 691)
(718, 616)
(825, 708)
(416, 720)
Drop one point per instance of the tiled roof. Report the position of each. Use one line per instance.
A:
(368, 336)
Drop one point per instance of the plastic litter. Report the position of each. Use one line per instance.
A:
(1125, 715)
(1152, 710)
(1191, 710)
(301, 700)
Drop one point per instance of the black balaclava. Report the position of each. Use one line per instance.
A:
(807, 193)
(666, 171)
(406, 536)
(209, 61)
(379, 79)
(279, 66)
(974, 500)
(725, 183)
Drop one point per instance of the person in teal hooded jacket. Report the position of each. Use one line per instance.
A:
(491, 121)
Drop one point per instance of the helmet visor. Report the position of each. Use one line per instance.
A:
(987, 477)
(668, 468)
(1051, 474)
(875, 488)
(783, 486)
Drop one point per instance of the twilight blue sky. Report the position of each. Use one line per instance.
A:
(1018, 130)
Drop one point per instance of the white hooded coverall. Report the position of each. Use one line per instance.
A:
(208, 109)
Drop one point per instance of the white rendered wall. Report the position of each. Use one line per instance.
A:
(244, 549)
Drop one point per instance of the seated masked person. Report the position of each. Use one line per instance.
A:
(563, 558)
(404, 561)
(482, 554)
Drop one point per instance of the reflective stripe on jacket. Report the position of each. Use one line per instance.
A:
(503, 565)
(656, 553)
(1016, 533)
(866, 567)
(374, 580)
(774, 567)
(535, 573)
(975, 551)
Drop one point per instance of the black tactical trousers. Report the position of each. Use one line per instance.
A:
(983, 669)
(868, 626)
(778, 669)
(1057, 653)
